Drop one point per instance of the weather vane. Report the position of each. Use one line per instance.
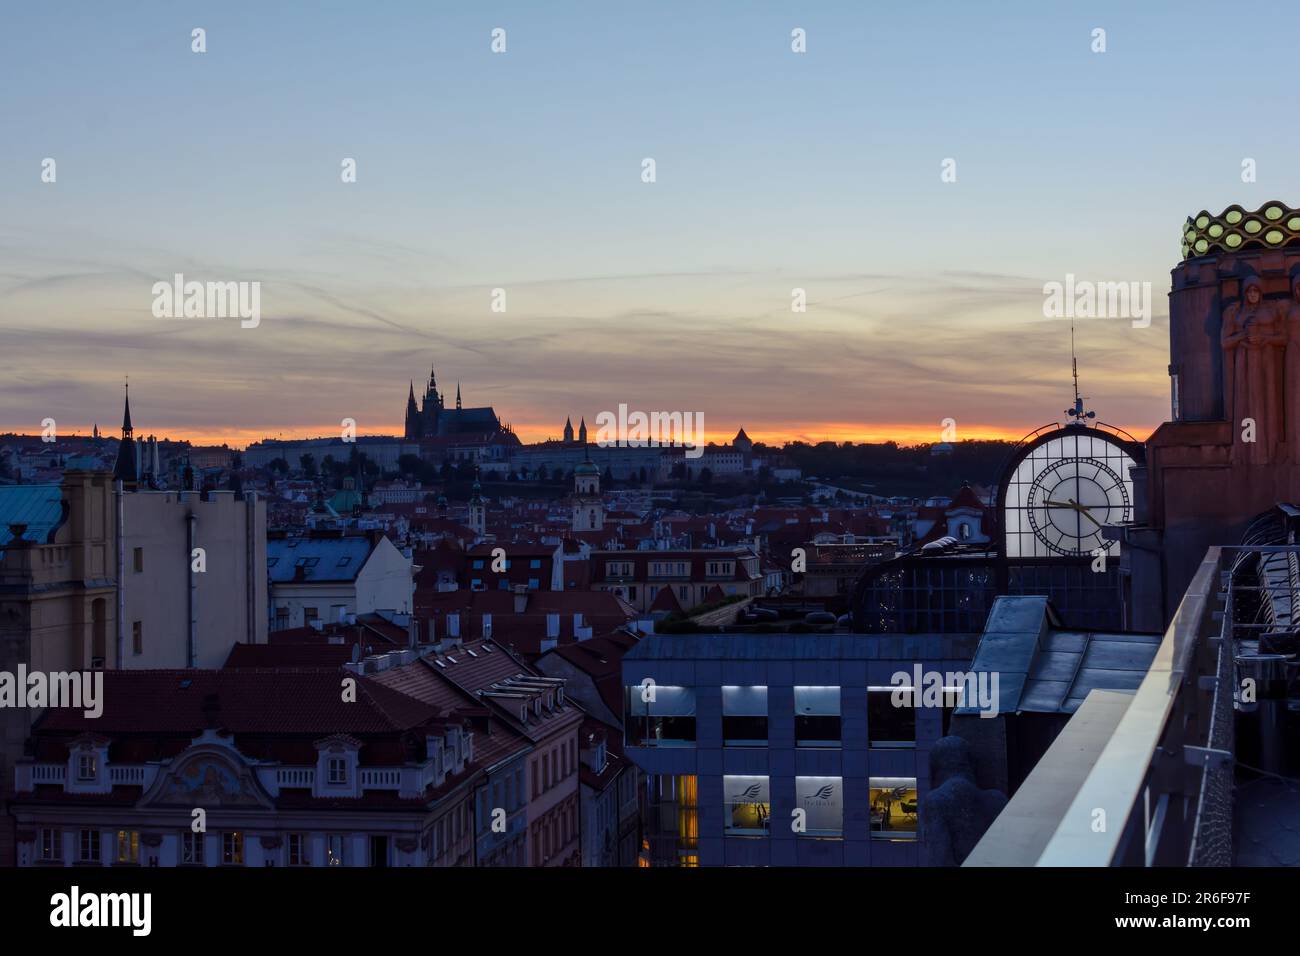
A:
(1077, 413)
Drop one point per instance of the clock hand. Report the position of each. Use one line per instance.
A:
(1084, 511)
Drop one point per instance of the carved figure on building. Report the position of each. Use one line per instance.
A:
(1254, 340)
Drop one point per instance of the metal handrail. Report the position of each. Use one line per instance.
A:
(1142, 796)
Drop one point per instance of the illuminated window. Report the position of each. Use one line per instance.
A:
(893, 802)
(128, 846)
(744, 716)
(749, 808)
(87, 767)
(660, 716)
(891, 717)
(817, 716)
(822, 801)
(232, 848)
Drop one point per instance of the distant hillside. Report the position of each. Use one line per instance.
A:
(890, 469)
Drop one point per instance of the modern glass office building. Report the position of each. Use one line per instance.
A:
(785, 749)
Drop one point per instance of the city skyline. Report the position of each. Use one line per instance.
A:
(533, 432)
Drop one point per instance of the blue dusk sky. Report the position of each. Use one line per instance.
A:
(522, 171)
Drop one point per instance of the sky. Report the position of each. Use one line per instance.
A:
(522, 171)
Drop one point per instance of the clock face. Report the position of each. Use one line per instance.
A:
(1063, 492)
(1070, 502)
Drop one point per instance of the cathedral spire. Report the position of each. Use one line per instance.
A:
(125, 468)
(582, 430)
(458, 396)
(568, 431)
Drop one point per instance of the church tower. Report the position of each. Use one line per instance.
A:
(582, 431)
(478, 511)
(413, 428)
(126, 470)
(568, 431)
(588, 508)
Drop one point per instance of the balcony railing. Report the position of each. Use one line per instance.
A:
(1160, 793)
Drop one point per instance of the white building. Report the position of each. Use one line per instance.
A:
(332, 577)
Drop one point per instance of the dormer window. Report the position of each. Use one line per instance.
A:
(537, 706)
(338, 771)
(523, 715)
(87, 767)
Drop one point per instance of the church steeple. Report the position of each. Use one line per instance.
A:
(125, 469)
(582, 431)
(568, 431)
(413, 430)
(458, 396)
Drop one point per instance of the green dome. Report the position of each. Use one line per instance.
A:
(586, 468)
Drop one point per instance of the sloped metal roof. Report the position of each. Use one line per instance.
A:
(40, 507)
(321, 559)
(1043, 668)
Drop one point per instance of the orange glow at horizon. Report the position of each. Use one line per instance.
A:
(808, 432)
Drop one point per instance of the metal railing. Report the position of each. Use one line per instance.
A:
(1160, 792)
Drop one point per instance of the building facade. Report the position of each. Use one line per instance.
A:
(783, 749)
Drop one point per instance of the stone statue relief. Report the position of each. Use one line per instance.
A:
(1255, 346)
(1291, 369)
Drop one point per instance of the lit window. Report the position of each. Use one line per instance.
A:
(893, 803)
(232, 848)
(87, 767)
(128, 846)
(749, 809)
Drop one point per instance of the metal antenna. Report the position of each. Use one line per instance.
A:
(1077, 412)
